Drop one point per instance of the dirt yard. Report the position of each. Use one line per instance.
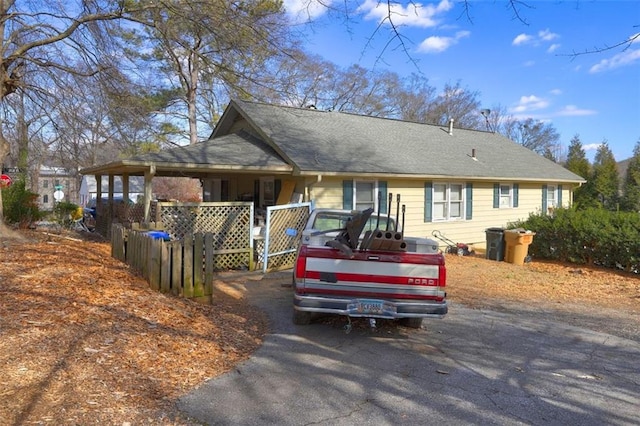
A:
(85, 341)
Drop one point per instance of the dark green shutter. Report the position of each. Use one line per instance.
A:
(382, 188)
(544, 199)
(559, 195)
(496, 195)
(469, 201)
(428, 198)
(347, 194)
(516, 194)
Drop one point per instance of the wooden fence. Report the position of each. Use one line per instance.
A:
(184, 268)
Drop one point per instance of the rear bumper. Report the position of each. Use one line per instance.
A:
(394, 309)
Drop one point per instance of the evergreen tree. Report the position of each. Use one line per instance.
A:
(584, 196)
(605, 177)
(631, 189)
(577, 161)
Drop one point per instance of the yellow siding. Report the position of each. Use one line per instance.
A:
(328, 194)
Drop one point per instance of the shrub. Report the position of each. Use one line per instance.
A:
(20, 206)
(63, 212)
(591, 236)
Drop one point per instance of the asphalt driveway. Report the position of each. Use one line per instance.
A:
(472, 367)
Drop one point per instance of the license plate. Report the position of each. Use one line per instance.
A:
(369, 307)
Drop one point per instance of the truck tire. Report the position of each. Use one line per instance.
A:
(411, 322)
(301, 318)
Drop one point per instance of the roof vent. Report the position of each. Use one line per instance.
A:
(451, 126)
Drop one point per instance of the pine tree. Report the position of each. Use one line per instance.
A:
(605, 177)
(577, 159)
(631, 190)
(577, 162)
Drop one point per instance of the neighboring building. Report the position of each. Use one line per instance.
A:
(459, 182)
(89, 188)
(55, 181)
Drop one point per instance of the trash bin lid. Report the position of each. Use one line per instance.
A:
(494, 230)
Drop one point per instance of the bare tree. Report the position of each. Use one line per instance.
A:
(538, 136)
(35, 37)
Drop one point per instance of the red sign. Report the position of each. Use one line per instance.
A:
(5, 180)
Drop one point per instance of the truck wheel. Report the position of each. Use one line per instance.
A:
(411, 322)
(301, 318)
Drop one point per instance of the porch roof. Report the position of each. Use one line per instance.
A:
(240, 152)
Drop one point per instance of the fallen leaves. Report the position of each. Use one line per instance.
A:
(83, 340)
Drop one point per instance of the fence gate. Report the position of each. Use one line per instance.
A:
(284, 225)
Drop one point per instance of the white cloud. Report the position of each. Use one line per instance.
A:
(555, 92)
(553, 47)
(546, 35)
(529, 103)
(414, 14)
(521, 39)
(529, 63)
(622, 59)
(591, 146)
(543, 37)
(574, 111)
(304, 10)
(436, 44)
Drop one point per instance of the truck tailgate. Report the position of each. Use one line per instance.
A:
(387, 275)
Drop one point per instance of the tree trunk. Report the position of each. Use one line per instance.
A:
(4, 152)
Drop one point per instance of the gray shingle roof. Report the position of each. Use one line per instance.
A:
(333, 142)
(239, 149)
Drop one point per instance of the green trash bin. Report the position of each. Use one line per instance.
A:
(495, 244)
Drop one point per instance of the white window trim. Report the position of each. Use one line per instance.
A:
(552, 203)
(376, 189)
(510, 206)
(463, 202)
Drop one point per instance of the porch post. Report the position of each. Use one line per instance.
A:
(98, 188)
(125, 187)
(148, 193)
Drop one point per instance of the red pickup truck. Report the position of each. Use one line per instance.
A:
(357, 272)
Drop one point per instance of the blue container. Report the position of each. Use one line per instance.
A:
(159, 235)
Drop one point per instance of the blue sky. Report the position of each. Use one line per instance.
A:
(527, 68)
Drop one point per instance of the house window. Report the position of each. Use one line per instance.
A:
(363, 195)
(267, 192)
(45, 183)
(448, 201)
(506, 196)
(552, 197)
(45, 199)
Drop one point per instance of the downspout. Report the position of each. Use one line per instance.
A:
(309, 186)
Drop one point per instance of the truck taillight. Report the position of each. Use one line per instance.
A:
(301, 262)
(442, 275)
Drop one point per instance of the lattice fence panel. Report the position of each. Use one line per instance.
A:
(230, 224)
(285, 226)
